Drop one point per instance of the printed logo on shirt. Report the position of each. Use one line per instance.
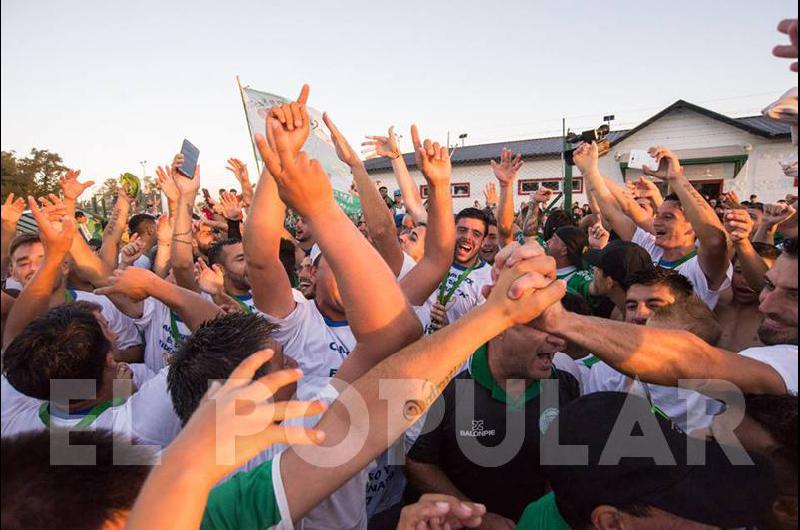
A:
(338, 348)
(477, 430)
(546, 419)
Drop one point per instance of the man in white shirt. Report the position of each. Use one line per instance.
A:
(687, 234)
(144, 225)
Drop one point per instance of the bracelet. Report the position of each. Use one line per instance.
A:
(185, 242)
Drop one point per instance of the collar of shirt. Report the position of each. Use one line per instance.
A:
(479, 369)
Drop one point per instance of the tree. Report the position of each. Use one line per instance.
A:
(37, 174)
(12, 181)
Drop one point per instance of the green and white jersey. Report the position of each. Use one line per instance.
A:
(543, 515)
(251, 499)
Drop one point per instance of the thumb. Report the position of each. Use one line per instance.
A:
(107, 290)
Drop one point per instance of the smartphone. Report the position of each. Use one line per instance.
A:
(640, 158)
(190, 154)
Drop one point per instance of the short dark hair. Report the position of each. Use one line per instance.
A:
(288, 259)
(22, 240)
(679, 284)
(79, 213)
(37, 494)
(474, 213)
(67, 342)
(555, 220)
(576, 304)
(691, 314)
(756, 206)
(767, 251)
(790, 247)
(211, 353)
(673, 197)
(214, 253)
(135, 222)
(777, 414)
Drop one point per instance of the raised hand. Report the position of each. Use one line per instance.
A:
(56, 235)
(166, 182)
(12, 210)
(302, 183)
(543, 195)
(775, 214)
(231, 206)
(433, 160)
(731, 201)
(132, 251)
(506, 170)
(239, 170)
(220, 436)
(210, 279)
(669, 167)
(598, 237)
(343, 149)
(738, 224)
(645, 188)
(378, 146)
(134, 282)
(438, 316)
(437, 512)
(491, 195)
(586, 157)
(54, 208)
(187, 187)
(70, 187)
(293, 119)
(164, 230)
(788, 51)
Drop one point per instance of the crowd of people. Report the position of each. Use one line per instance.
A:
(261, 360)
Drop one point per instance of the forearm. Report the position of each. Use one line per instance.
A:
(181, 256)
(379, 220)
(34, 299)
(753, 266)
(193, 309)
(409, 190)
(439, 246)
(429, 478)
(416, 375)
(609, 207)
(530, 226)
(631, 208)
(161, 263)
(7, 234)
(700, 214)
(765, 234)
(88, 265)
(112, 234)
(505, 214)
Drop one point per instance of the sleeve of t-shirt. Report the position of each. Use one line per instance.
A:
(247, 500)
(149, 309)
(646, 240)
(428, 446)
(694, 272)
(408, 264)
(579, 284)
(782, 359)
(603, 378)
(293, 327)
(122, 325)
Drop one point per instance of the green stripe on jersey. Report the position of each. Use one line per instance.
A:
(246, 500)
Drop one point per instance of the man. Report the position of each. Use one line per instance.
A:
(229, 254)
(756, 212)
(675, 355)
(568, 245)
(307, 278)
(612, 265)
(304, 235)
(384, 191)
(638, 492)
(398, 207)
(412, 241)
(687, 234)
(144, 225)
(738, 308)
(502, 389)
(491, 244)
(460, 291)
(650, 289)
(83, 225)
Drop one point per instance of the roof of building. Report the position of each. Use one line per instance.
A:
(541, 147)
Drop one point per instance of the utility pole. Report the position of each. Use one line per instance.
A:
(567, 183)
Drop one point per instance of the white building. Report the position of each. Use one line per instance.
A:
(720, 154)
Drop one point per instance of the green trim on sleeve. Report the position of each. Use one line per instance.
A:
(246, 500)
(543, 515)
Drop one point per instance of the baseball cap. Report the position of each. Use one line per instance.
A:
(716, 493)
(619, 259)
(576, 242)
(397, 193)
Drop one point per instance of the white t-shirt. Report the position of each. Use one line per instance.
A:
(782, 358)
(690, 268)
(408, 264)
(163, 331)
(689, 410)
(121, 324)
(147, 416)
(468, 293)
(565, 363)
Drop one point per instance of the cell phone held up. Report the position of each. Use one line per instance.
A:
(190, 155)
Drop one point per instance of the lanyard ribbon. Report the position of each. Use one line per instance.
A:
(246, 308)
(443, 297)
(173, 329)
(93, 414)
(69, 296)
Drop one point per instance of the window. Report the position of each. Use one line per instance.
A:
(530, 186)
(457, 190)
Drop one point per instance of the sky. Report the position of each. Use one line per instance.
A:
(110, 84)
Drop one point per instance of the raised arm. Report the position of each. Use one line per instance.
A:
(377, 216)
(10, 213)
(660, 356)
(394, 394)
(630, 207)
(239, 170)
(35, 297)
(715, 251)
(378, 146)
(586, 159)
(112, 234)
(167, 186)
(161, 264)
(181, 254)
(775, 216)
(376, 309)
(506, 173)
(434, 162)
(739, 226)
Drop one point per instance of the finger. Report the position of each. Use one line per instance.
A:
(415, 138)
(297, 114)
(37, 213)
(331, 126)
(290, 435)
(303, 97)
(284, 410)
(247, 368)
(428, 146)
(269, 156)
(530, 281)
(277, 112)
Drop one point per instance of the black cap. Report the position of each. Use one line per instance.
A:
(717, 493)
(620, 259)
(576, 241)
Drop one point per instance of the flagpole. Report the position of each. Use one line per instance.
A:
(249, 130)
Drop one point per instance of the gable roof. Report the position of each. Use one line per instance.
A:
(552, 146)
